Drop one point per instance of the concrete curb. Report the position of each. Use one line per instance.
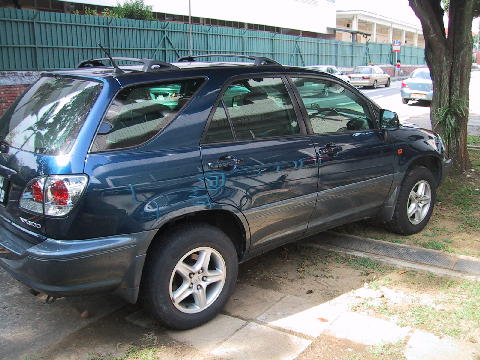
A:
(412, 254)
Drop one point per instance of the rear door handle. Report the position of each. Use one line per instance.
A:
(226, 163)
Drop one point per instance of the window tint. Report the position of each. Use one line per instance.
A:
(332, 107)
(219, 129)
(48, 118)
(260, 108)
(139, 113)
(362, 70)
(421, 74)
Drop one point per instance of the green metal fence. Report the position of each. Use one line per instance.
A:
(35, 40)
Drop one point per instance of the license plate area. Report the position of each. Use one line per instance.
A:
(418, 96)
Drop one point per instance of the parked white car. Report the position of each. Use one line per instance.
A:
(330, 69)
(371, 76)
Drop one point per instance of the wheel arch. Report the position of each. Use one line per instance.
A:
(431, 162)
(234, 225)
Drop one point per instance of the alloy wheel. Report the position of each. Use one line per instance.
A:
(419, 202)
(197, 280)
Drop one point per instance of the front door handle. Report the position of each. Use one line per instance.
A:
(226, 163)
(330, 149)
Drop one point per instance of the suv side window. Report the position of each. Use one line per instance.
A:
(260, 108)
(332, 107)
(219, 129)
(138, 113)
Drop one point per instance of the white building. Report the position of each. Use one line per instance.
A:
(381, 29)
(313, 16)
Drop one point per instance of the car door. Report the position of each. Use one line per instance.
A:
(355, 161)
(257, 157)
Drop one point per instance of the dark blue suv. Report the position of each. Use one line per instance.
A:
(158, 179)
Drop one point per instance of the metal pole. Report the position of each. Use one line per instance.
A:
(190, 40)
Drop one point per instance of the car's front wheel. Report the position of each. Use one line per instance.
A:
(387, 84)
(415, 202)
(189, 275)
(405, 101)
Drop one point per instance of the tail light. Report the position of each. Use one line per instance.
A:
(404, 84)
(54, 195)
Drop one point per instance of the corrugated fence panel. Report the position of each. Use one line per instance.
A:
(35, 40)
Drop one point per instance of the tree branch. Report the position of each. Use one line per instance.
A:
(430, 13)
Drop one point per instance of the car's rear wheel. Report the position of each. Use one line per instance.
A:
(189, 275)
(375, 84)
(415, 202)
(405, 101)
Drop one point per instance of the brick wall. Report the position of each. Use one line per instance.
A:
(8, 94)
(13, 84)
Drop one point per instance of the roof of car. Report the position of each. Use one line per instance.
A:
(101, 72)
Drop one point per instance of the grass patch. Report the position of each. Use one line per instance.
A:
(389, 351)
(437, 245)
(473, 140)
(441, 305)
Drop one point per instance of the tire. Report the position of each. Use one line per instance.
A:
(387, 84)
(401, 222)
(405, 101)
(174, 263)
(375, 84)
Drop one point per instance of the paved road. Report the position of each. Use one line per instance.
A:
(418, 112)
(28, 324)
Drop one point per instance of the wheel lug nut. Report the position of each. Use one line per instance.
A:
(198, 287)
(191, 275)
(191, 286)
(204, 278)
(200, 271)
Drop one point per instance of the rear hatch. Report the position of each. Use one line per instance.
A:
(419, 84)
(36, 131)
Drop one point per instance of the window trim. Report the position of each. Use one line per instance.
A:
(295, 105)
(373, 112)
(144, 83)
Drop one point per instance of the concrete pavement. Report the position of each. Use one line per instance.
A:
(291, 323)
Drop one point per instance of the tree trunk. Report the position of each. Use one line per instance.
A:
(449, 60)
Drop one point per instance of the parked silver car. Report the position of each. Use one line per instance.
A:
(331, 70)
(418, 86)
(371, 76)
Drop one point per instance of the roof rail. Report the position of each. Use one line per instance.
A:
(149, 65)
(258, 60)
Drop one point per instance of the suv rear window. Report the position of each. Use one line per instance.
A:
(138, 113)
(48, 117)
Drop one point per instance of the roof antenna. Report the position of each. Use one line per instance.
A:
(114, 64)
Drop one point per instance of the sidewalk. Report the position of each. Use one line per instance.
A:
(265, 324)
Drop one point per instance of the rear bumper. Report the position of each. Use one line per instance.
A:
(416, 94)
(360, 83)
(75, 267)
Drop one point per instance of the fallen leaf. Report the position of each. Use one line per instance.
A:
(322, 320)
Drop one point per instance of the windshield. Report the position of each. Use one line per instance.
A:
(421, 74)
(362, 70)
(48, 117)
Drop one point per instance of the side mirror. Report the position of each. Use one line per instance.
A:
(389, 119)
